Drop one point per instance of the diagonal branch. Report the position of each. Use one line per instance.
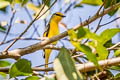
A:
(40, 45)
(81, 67)
(37, 17)
(9, 27)
(90, 66)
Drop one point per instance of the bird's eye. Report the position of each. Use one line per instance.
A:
(57, 14)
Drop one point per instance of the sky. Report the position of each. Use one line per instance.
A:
(72, 18)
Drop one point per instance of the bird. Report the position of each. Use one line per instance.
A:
(52, 29)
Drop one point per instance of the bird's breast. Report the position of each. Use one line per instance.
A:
(54, 29)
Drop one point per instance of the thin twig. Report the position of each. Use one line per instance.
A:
(9, 27)
(46, 10)
(114, 46)
(35, 73)
(89, 66)
(29, 25)
(110, 21)
(39, 45)
(52, 62)
(44, 64)
(79, 55)
(70, 5)
(100, 8)
(88, 28)
(39, 2)
(100, 75)
(22, 38)
(16, 53)
(35, 29)
(98, 26)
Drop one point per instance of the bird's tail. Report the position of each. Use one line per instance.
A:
(47, 55)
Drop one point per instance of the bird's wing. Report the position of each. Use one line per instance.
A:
(46, 34)
(46, 31)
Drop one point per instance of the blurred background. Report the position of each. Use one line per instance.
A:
(74, 10)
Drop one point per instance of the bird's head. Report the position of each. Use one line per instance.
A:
(57, 17)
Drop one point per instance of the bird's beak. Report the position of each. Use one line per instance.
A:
(63, 16)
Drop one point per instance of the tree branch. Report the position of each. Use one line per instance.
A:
(37, 17)
(81, 67)
(30, 49)
(90, 66)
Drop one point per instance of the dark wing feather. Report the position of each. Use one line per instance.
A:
(46, 31)
(46, 34)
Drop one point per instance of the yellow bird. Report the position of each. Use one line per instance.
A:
(52, 29)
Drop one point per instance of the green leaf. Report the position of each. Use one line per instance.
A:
(117, 76)
(100, 49)
(21, 2)
(3, 75)
(18, 1)
(108, 44)
(4, 3)
(92, 2)
(109, 75)
(91, 35)
(113, 12)
(21, 68)
(102, 52)
(4, 63)
(86, 33)
(80, 33)
(107, 34)
(85, 49)
(24, 2)
(109, 3)
(117, 67)
(83, 33)
(47, 3)
(46, 78)
(3, 29)
(65, 67)
(78, 5)
(3, 9)
(117, 53)
(72, 34)
(32, 78)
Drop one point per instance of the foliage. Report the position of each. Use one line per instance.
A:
(89, 46)
(21, 68)
(4, 63)
(32, 78)
(62, 66)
